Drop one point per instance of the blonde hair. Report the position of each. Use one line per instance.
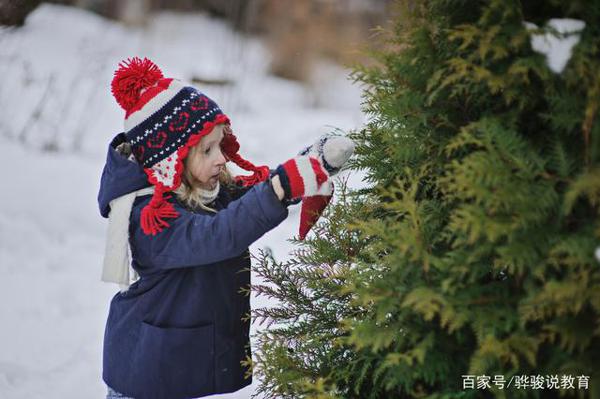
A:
(190, 195)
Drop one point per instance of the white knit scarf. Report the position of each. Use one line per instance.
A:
(208, 196)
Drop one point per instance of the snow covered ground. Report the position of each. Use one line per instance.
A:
(57, 118)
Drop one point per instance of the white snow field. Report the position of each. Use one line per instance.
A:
(57, 117)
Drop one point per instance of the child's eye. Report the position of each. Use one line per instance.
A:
(207, 151)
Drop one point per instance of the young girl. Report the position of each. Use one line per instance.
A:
(179, 330)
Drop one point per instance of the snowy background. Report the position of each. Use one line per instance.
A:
(57, 117)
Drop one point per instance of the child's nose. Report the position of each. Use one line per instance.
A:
(221, 158)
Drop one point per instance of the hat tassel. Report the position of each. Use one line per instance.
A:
(154, 214)
(231, 147)
(261, 173)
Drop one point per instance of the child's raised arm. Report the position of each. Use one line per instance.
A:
(200, 239)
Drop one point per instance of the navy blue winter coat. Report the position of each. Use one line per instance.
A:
(178, 331)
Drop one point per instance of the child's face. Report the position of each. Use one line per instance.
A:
(205, 161)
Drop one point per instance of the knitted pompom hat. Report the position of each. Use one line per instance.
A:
(163, 120)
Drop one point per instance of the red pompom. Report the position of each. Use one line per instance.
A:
(131, 78)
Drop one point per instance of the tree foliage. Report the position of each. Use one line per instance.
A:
(472, 251)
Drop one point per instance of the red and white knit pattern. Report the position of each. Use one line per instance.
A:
(165, 170)
(307, 177)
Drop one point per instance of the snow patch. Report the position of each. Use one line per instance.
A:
(556, 40)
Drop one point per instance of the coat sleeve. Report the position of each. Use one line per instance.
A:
(198, 239)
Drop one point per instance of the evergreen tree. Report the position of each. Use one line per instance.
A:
(472, 253)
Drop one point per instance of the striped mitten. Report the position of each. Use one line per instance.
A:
(308, 177)
(303, 176)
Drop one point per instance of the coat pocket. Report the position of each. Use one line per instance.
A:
(174, 362)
